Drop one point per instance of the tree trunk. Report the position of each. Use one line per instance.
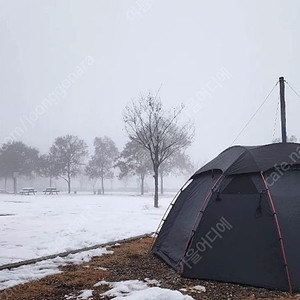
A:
(102, 184)
(142, 183)
(161, 183)
(69, 177)
(5, 184)
(15, 185)
(155, 186)
(50, 181)
(69, 185)
(94, 184)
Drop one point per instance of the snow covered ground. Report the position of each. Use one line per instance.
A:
(34, 226)
(137, 290)
(133, 290)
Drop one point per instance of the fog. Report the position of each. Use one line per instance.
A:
(128, 47)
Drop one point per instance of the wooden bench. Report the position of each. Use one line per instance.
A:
(51, 191)
(28, 191)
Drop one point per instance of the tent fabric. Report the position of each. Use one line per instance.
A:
(178, 225)
(286, 197)
(245, 254)
(233, 226)
(247, 159)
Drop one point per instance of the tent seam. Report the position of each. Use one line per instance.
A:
(248, 151)
(245, 151)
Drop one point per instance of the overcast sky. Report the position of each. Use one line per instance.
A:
(220, 58)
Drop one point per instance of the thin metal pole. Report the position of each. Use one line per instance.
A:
(282, 108)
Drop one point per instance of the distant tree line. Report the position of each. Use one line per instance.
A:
(156, 146)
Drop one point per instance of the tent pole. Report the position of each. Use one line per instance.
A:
(282, 109)
(278, 230)
(200, 214)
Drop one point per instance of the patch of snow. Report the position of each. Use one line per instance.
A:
(101, 268)
(119, 288)
(152, 281)
(85, 256)
(85, 295)
(199, 288)
(27, 273)
(139, 290)
(103, 282)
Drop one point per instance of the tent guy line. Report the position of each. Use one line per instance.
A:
(255, 113)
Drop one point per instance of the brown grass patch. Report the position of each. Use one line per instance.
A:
(130, 261)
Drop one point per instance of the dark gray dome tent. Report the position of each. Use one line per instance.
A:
(238, 219)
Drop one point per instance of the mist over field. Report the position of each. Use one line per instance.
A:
(108, 112)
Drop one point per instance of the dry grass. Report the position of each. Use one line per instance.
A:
(130, 261)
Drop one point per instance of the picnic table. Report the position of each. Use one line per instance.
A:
(51, 191)
(28, 191)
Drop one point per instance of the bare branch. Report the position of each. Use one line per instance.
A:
(156, 130)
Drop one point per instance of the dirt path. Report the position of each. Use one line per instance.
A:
(131, 260)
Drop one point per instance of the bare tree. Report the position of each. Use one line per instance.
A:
(102, 162)
(68, 153)
(91, 171)
(17, 157)
(178, 164)
(160, 132)
(134, 160)
(47, 167)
